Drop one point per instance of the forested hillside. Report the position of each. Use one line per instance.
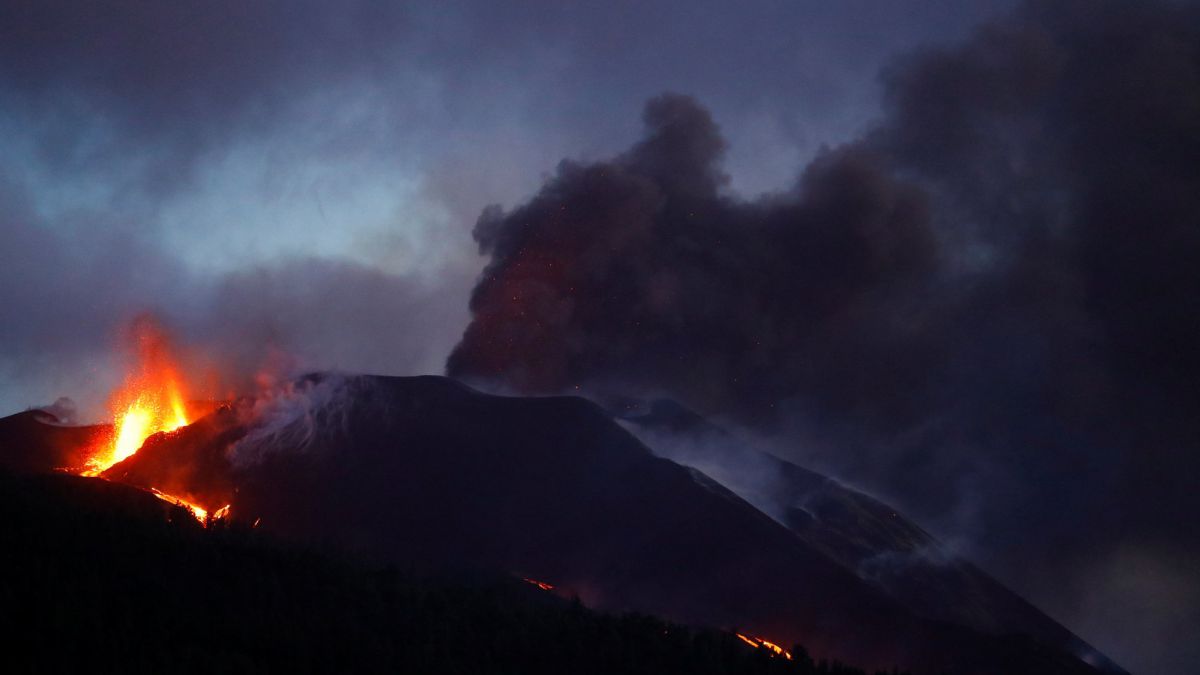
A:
(102, 577)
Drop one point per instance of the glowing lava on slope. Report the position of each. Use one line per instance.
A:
(765, 644)
(149, 402)
(199, 512)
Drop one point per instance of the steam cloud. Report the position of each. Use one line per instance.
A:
(291, 415)
(984, 309)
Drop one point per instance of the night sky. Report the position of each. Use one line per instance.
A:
(948, 252)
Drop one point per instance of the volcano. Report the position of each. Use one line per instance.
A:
(428, 474)
(863, 534)
(37, 441)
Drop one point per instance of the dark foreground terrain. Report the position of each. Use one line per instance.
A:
(102, 577)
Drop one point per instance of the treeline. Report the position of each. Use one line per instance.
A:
(98, 577)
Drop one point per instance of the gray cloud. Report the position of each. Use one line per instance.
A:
(170, 85)
(330, 314)
(67, 294)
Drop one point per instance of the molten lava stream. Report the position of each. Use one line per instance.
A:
(540, 584)
(199, 512)
(769, 646)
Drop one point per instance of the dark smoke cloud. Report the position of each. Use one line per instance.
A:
(147, 144)
(1063, 140)
(984, 310)
(643, 271)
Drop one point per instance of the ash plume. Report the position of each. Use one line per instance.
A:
(640, 271)
(984, 309)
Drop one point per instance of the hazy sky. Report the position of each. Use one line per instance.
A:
(160, 155)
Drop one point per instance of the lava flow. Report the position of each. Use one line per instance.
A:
(152, 399)
(199, 512)
(765, 644)
(540, 584)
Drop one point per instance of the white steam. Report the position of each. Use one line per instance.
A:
(292, 415)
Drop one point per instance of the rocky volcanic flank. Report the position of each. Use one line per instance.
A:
(37, 441)
(863, 534)
(428, 474)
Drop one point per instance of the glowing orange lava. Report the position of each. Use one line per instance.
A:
(540, 584)
(152, 399)
(770, 646)
(199, 512)
(149, 401)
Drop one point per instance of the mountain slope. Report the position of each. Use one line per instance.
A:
(864, 535)
(427, 473)
(103, 577)
(34, 440)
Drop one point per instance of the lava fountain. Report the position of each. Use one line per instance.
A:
(151, 399)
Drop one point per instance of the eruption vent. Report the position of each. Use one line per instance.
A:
(152, 399)
(149, 401)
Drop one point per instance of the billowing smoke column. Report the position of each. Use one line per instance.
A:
(985, 308)
(640, 271)
(1057, 146)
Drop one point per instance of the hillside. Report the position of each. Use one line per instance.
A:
(864, 535)
(431, 475)
(102, 577)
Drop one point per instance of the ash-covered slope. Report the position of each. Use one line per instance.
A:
(866, 536)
